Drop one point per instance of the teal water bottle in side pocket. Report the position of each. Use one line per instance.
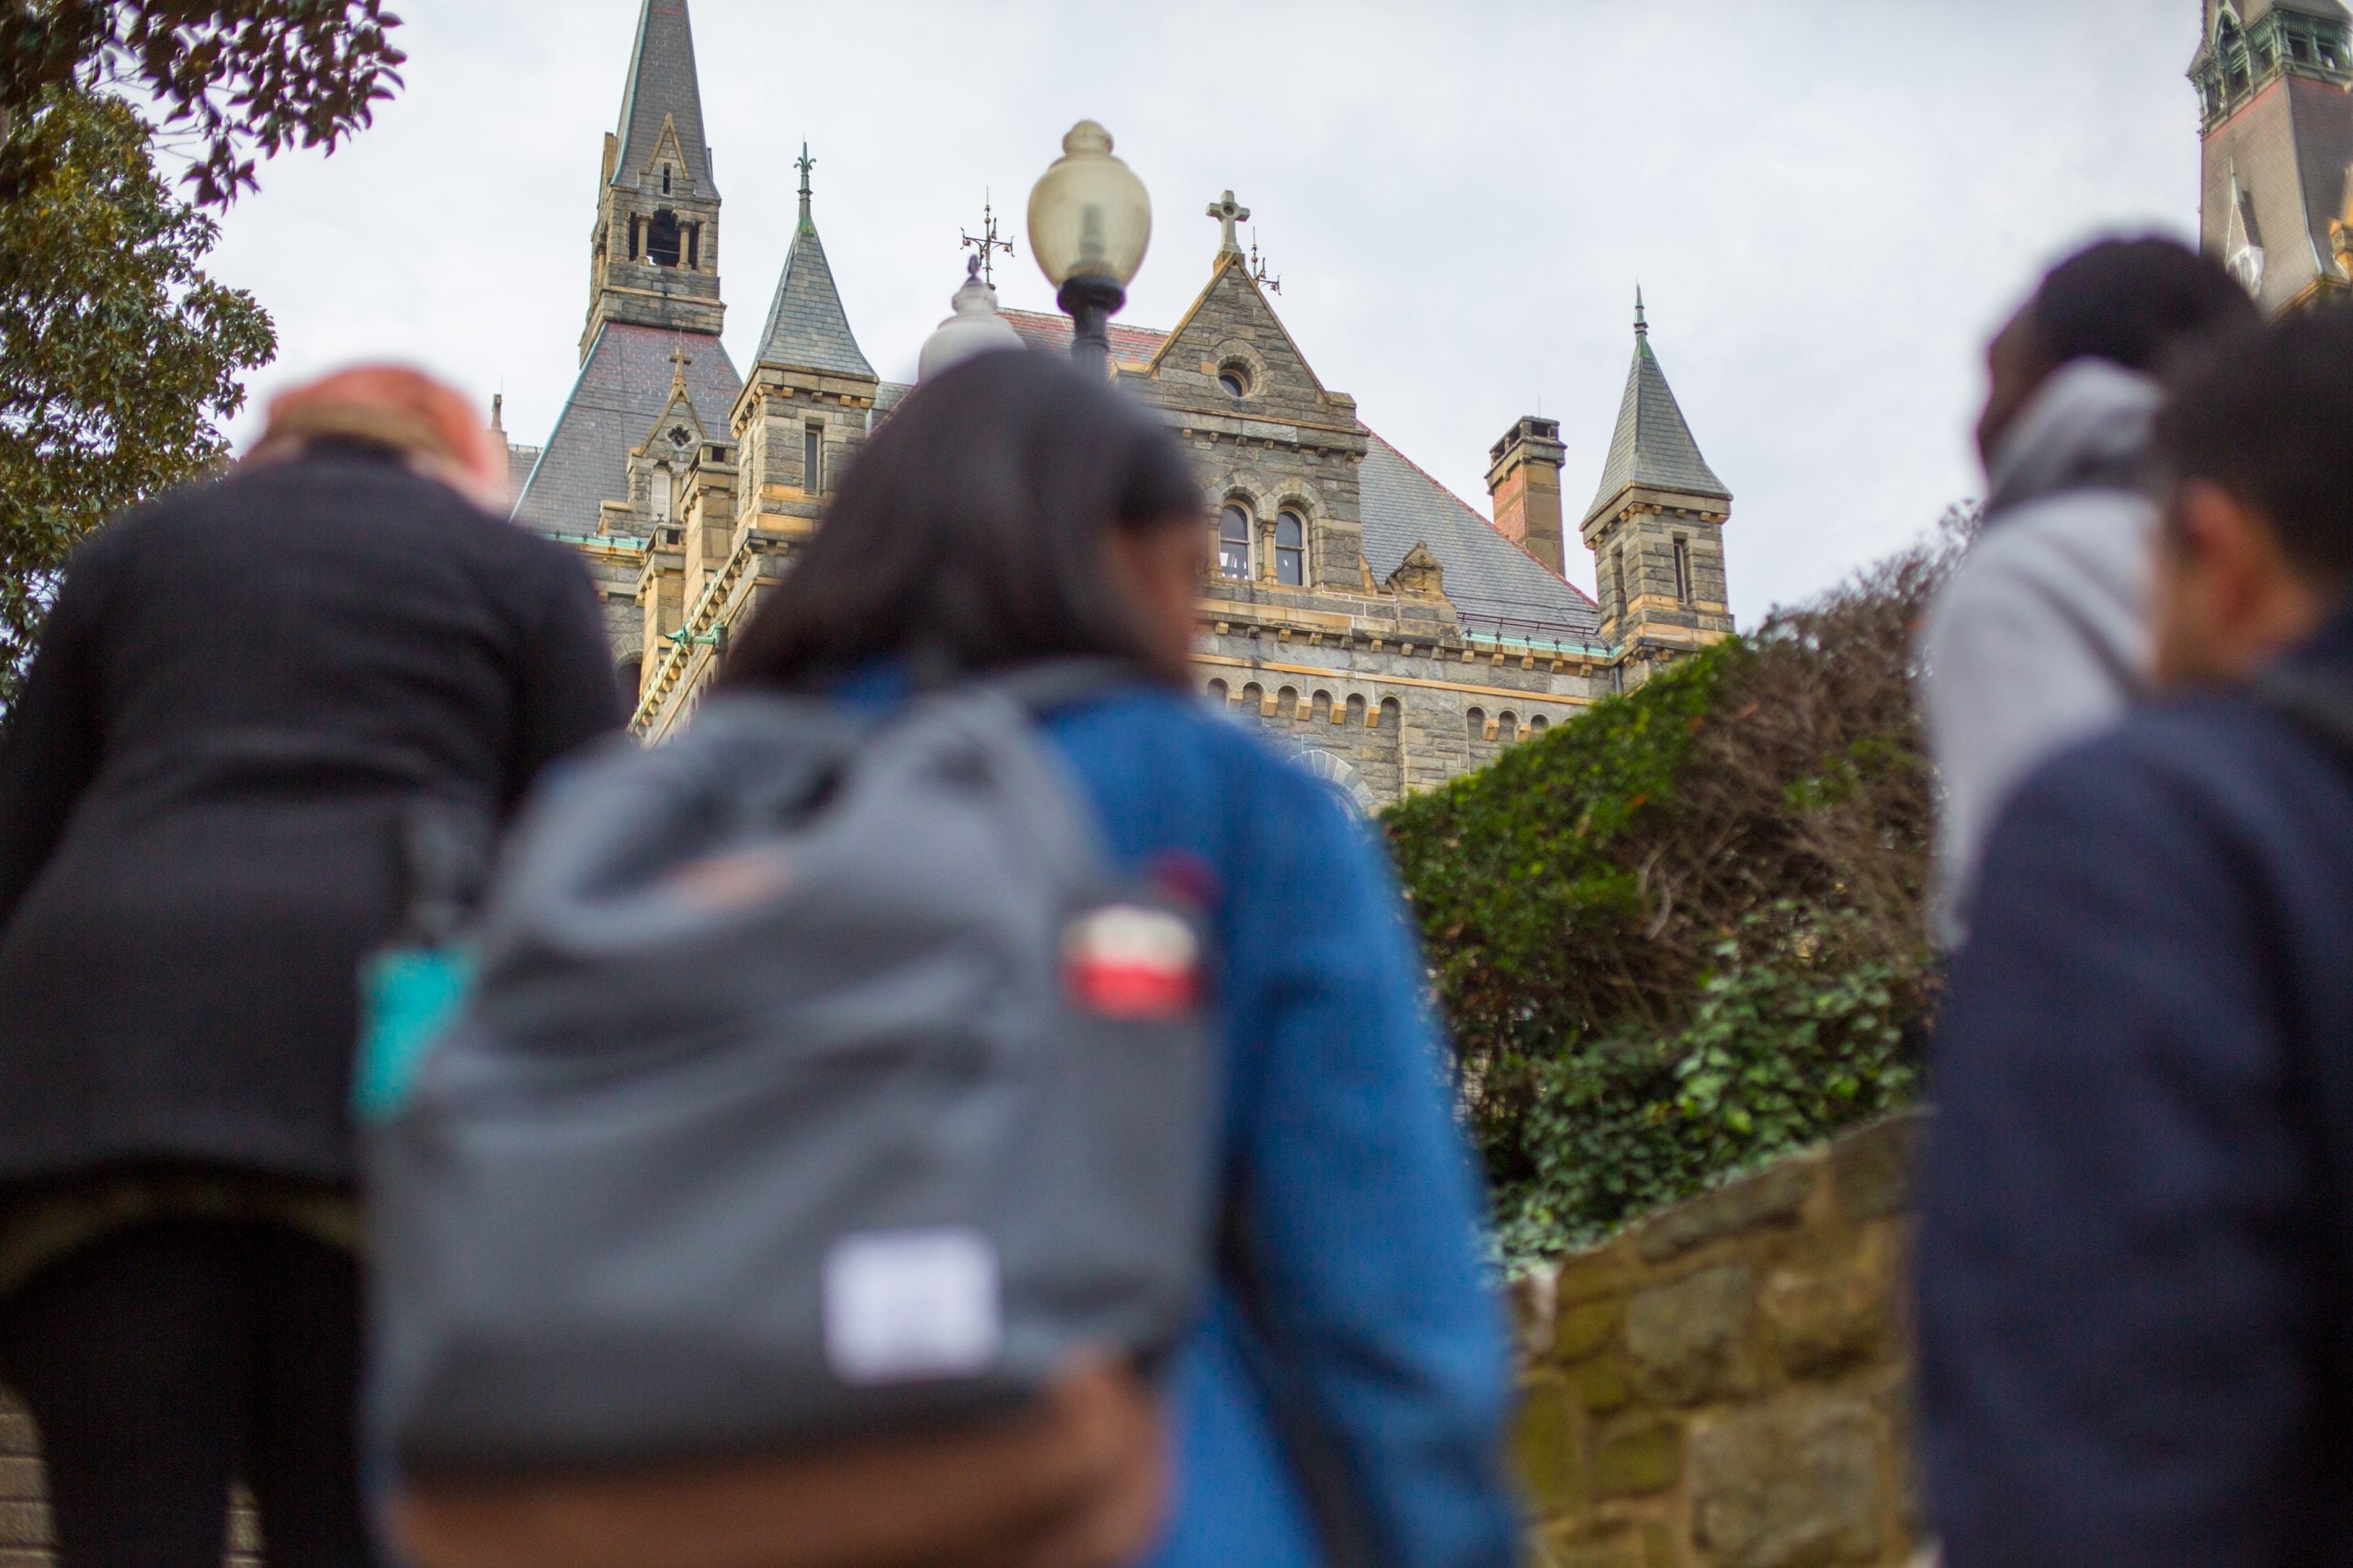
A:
(413, 988)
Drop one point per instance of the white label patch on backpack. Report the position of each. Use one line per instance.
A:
(1131, 961)
(905, 1306)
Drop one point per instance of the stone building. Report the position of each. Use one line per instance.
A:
(1393, 633)
(2275, 92)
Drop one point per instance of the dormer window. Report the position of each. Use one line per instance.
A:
(661, 493)
(663, 238)
(666, 179)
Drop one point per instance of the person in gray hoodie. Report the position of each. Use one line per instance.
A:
(2042, 636)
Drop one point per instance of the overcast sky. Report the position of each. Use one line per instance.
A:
(1827, 202)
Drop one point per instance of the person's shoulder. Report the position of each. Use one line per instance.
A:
(2057, 542)
(2195, 762)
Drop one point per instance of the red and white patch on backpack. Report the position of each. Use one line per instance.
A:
(1131, 963)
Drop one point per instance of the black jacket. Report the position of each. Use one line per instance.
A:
(242, 692)
(2136, 1245)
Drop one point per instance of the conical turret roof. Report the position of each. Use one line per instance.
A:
(807, 328)
(1652, 447)
(663, 87)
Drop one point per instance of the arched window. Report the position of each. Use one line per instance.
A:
(1474, 724)
(1233, 543)
(1321, 711)
(1234, 378)
(1537, 725)
(1254, 701)
(1290, 550)
(1507, 727)
(629, 675)
(1216, 692)
(661, 487)
(1618, 578)
(666, 179)
(1390, 716)
(662, 239)
(1356, 710)
(1287, 702)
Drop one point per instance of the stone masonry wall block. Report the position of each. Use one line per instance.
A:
(1545, 1442)
(1795, 1485)
(1829, 1312)
(1689, 1339)
(1637, 1457)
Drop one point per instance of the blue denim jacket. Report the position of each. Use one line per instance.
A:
(1357, 1191)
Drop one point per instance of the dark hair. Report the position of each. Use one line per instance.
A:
(2133, 302)
(970, 530)
(2268, 414)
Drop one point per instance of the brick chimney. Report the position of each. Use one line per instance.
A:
(1524, 479)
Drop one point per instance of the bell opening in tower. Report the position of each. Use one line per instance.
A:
(663, 239)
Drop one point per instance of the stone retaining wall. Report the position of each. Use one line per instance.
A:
(1728, 1385)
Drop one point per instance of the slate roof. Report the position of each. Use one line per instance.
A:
(807, 328)
(663, 81)
(622, 389)
(1496, 584)
(1132, 347)
(2288, 148)
(1652, 446)
(520, 463)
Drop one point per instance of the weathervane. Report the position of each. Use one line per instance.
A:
(1258, 273)
(987, 242)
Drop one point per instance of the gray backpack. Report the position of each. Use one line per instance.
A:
(821, 1082)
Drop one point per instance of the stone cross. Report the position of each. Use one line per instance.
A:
(680, 360)
(1226, 211)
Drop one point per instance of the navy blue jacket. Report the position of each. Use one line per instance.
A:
(2133, 1248)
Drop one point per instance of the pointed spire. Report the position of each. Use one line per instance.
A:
(807, 328)
(1652, 447)
(663, 92)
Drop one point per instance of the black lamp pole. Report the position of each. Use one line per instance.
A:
(1090, 301)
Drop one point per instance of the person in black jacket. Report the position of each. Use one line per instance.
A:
(247, 696)
(2136, 1245)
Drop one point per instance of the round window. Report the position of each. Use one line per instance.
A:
(1236, 380)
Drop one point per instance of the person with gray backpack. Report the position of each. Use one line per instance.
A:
(962, 1102)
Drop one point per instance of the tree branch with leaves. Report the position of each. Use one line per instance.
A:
(246, 79)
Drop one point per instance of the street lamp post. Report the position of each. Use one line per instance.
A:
(1090, 223)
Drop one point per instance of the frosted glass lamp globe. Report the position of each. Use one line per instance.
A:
(1089, 216)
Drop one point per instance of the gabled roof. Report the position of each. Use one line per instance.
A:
(663, 85)
(1495, 585)
(1492, 583)
(624, 386)
(807, 328)
(1651, 447)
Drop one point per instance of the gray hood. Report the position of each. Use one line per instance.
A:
(2086, 428)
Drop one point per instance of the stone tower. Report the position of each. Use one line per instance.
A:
(1656, 527)
(2275, 90)
(810, 398)
(654, 258)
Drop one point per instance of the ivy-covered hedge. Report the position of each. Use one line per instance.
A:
(1684, 932)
